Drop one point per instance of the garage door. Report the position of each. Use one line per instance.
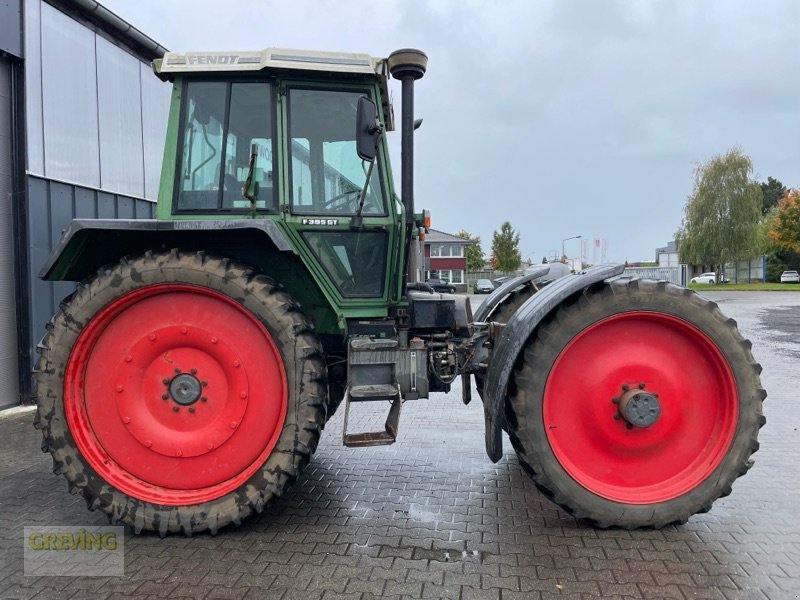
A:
(9, 378)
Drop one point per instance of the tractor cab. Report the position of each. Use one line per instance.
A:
(274, 135)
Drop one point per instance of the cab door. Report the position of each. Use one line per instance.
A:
(327, 186)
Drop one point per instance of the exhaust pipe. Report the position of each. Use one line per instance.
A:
(407, 65)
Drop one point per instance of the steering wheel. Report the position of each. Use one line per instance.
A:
(331, 203)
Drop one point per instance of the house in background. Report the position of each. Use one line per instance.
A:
(445, 258)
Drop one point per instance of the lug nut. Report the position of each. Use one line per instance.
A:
(193, 371)
(165, 396)
(177, 370)
(625, 387)
(165, 381)
(175, 408)
(615, 400)
(203, 399)
(191, 409)
(641, 385)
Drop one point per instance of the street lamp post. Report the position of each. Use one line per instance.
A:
(574, 237)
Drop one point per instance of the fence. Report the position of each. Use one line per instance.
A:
(747, 270)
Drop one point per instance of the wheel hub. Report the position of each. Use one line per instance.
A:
(639, 408)
(185, 389)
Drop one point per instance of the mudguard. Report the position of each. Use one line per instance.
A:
(513, 339)
(497, 296)
(87, 244)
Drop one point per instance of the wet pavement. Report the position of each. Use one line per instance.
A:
(432, 517)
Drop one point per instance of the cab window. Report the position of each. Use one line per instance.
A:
(327, 176)
(221, 123)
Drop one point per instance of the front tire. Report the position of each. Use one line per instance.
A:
(180, 392)
(636, 405)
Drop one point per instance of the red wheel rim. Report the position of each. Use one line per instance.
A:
(671, 358)
(175, 394)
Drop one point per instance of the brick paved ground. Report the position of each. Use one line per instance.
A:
(431, 517)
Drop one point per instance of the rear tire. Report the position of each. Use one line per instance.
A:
(697, 378)
(180, 392)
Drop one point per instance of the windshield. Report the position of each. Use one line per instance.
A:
(220, 122)
(327, 175)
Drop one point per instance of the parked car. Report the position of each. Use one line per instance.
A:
(790, 277)
(483, 286)
(708, 278)
(440, 285)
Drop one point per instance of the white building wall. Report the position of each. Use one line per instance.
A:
(96, 115)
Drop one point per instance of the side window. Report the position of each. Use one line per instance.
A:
(354, 260)
(202, 145)
(249, 124)
(327, 174)
(222, 121)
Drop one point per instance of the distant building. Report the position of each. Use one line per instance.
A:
(668, 255)
(445, 258)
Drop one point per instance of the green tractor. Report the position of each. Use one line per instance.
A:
(186, 381)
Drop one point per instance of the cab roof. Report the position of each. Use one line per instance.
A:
(278, 61)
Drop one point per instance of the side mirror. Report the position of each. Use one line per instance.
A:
(367, 129)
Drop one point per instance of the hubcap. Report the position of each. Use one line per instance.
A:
(639, 408)
(185, 389)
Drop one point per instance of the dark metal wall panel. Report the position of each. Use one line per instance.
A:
(9, 373)
(51, 206)
(39, 243)
(124, 208)
(86, 203)
(106, 207)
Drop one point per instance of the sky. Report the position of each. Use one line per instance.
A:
(564, 117)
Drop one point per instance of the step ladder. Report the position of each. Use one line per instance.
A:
(372, 377)
(369, 393)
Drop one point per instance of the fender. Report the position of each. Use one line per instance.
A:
(495, 299)
(88, 244)
(513, 339)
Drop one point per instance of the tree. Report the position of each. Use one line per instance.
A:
(505, 249)
(473, 252)
(784, 226)
(780, 256)
(721, 215)
(773, 191)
